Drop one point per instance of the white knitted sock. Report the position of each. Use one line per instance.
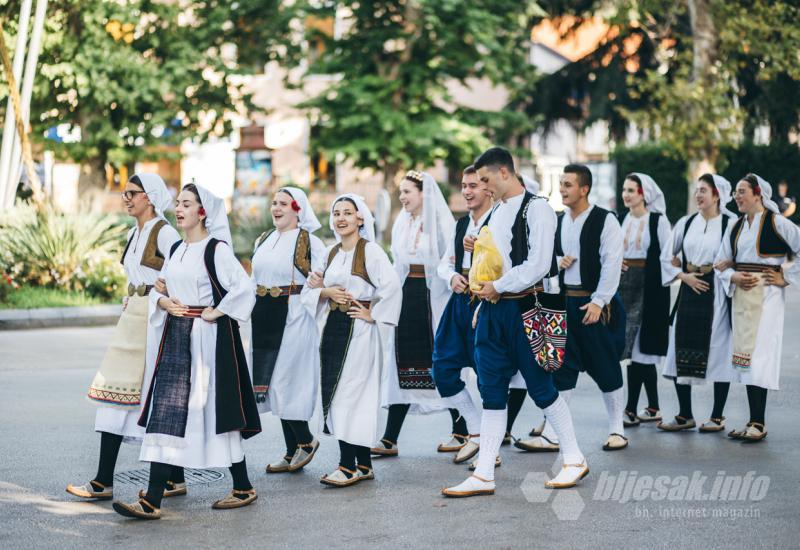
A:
(548, 431)
(559, 417)
(615, 405)
(466, 407)
(493, 430)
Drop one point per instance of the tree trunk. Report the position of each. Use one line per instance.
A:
(704, 52)
(92, 179)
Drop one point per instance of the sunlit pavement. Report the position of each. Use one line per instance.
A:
(732, 494)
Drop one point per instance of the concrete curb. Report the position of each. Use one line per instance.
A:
(49, 317)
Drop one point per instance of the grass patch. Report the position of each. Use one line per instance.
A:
(28, 297)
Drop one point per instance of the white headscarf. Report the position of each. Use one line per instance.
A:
(438, 225)
(653, 196)
(157, 192)
(306, 219)
(367, 229)
(766, 194)
(531, 185)
(216, 216)
(724, 191)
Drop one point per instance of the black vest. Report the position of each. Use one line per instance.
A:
(519, 236)
(769, 243)
(590, 247)
(461, 231)
(654, 333)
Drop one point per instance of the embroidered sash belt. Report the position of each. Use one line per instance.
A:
(344, 308)
(702, 269)
(576, 291)
(519, 295)
(638, 262)
(416, 271)
(140, 290)
(756, 268)
(277, 291)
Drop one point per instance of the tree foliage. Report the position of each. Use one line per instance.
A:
(751, 76)
(129, 75)
(389, 106)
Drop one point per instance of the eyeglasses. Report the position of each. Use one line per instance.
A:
(128, 195)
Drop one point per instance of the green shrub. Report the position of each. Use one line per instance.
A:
(660, 163)
(73, 252)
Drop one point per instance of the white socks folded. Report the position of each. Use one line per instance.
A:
(558, 416)
(493, 430)
(615, 406)
(466, 407)
(548, 431)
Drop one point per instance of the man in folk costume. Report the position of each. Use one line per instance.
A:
(454, 343)
(285, 335)
(356, 294)
(700, 344)
(589, 247)
(200, 403)
(420, 236)
(117, 386)
(522, 227)
(751, 266)
(646, 231)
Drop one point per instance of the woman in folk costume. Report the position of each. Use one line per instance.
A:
(200, 402)
(285, 338)
(750, 262)
(420, 236)
(645, 230)
(357, 292)
(117, 386)
(700, 338)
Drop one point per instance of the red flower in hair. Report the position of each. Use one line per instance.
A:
(295, 206)
(639, 190)
(757, 190)
(201, 211)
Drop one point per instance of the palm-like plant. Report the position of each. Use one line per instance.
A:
(47, 247)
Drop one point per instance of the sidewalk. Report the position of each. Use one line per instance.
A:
(49, 317)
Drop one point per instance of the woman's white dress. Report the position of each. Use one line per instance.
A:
(700, 247)
(188, 281)
(294, 385)
(114, 419)
(355, 406)
(766, 357)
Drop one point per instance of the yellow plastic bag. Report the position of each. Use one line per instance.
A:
(487, 263)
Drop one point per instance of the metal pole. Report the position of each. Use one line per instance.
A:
(8, 129)
(27, 89)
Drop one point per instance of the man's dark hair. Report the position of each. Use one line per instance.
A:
(583, 173)
(495, 157)
(470, 170)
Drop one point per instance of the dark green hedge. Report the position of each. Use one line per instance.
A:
(774, 162)
(663, 165)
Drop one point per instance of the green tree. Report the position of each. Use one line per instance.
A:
(389, 107)
(130, 75)
(705, 73)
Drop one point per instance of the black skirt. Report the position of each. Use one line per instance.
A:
(693, 329)
(414, 337)
(332, 355)
(268, 322)
(631, 292)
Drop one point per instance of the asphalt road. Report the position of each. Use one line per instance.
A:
(665, 490)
